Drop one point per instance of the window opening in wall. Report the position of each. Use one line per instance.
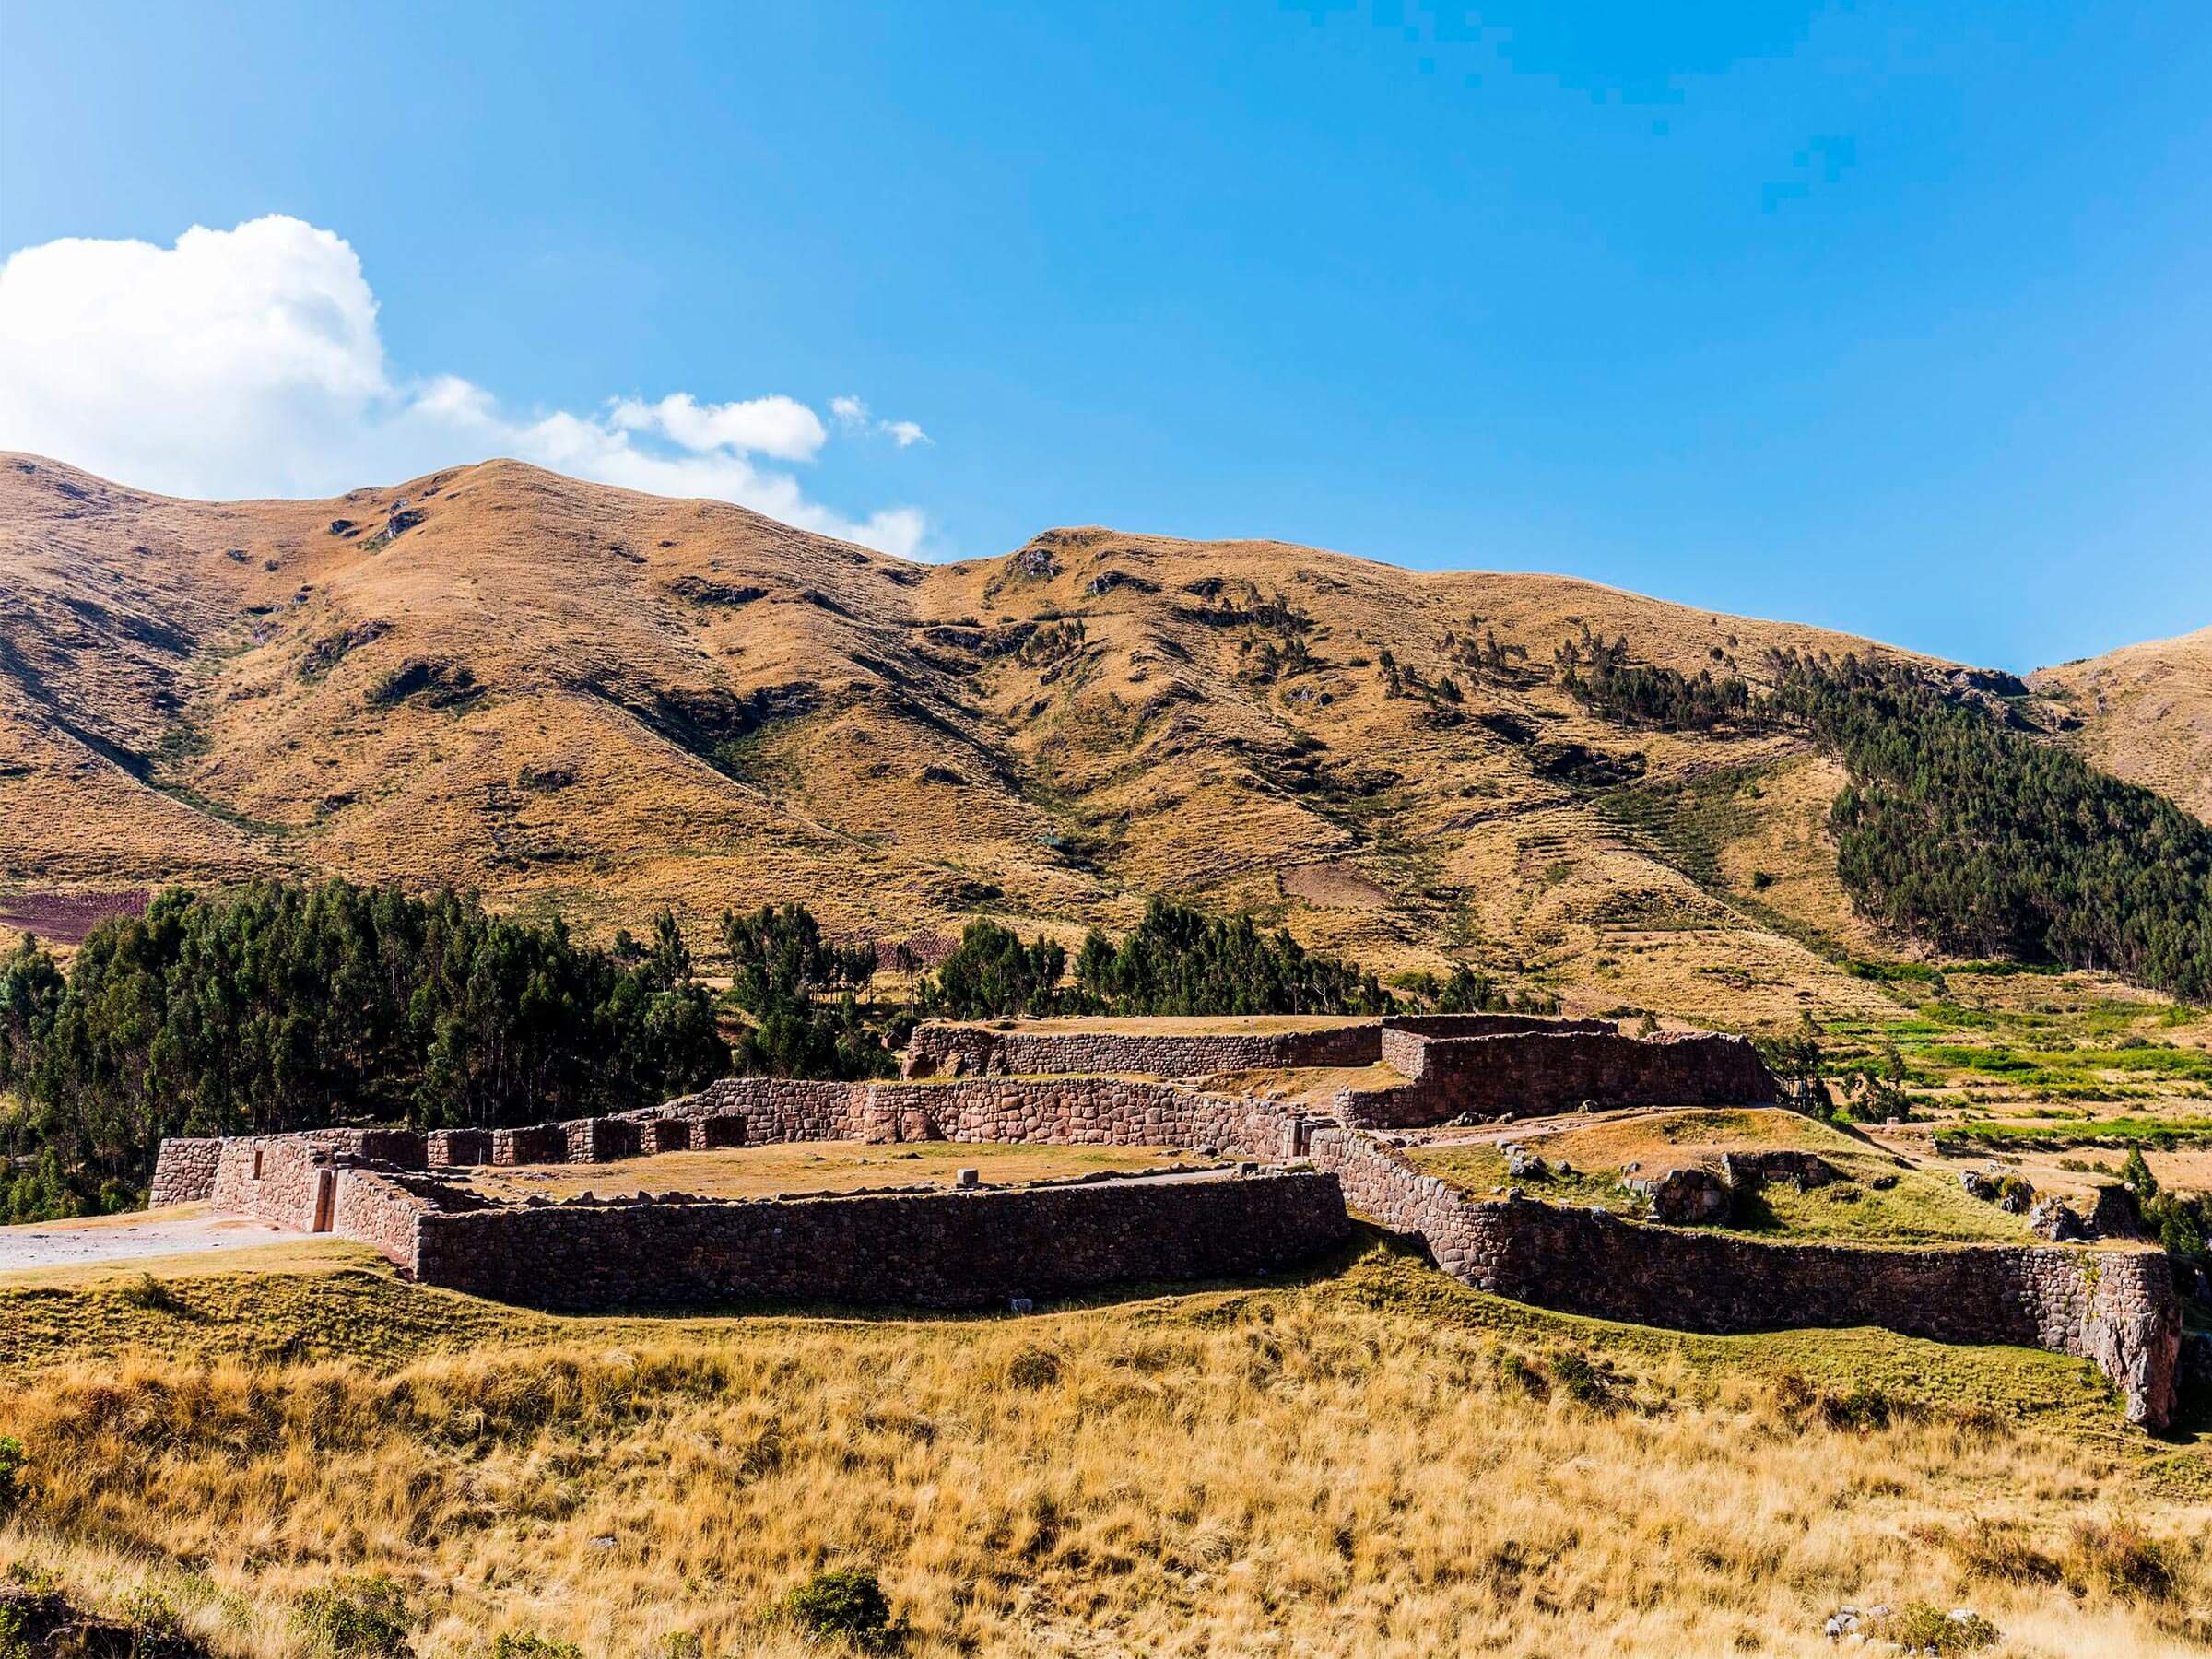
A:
(257, 1163)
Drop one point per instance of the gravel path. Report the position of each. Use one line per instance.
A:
(126, 1237)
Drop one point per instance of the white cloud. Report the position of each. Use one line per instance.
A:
(247, 362)
(782, 427)
(853, 416)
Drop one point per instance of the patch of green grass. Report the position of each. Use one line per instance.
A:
(2158, 1134)
(1916, 1207)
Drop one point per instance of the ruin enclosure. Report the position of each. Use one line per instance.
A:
(1271, 1180)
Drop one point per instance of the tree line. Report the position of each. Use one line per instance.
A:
(1982, 839)
(277, 1007)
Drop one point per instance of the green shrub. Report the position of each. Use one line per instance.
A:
(355, 1615)
(511, 1645)
(1919, 1628)
(151, 1294)
(1034, 1368)
(846, 1605)
(1591, 1382)
(11, 1472)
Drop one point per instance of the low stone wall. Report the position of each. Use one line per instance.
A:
(1529, 1074)
(2116, 1308)
(184, 1171)
(533, 1144)
(955, 1249)
(942, 1047)
(456, 1148)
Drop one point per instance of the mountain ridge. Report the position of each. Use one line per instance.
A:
(581, 698)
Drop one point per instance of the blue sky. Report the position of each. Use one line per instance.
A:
(1887, 317)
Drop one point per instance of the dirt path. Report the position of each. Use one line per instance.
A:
(184, 1230)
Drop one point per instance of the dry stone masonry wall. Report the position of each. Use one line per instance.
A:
(950, 1250)
(2114, 1307)
(1529, 1074)
(967, 1249)
(943, 1048)
(184, 1171)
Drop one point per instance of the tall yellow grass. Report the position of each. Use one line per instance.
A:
(1284, 1472)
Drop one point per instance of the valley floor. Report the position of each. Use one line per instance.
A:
(1369, 1460)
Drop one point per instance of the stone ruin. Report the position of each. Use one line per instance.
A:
(1304, 1172)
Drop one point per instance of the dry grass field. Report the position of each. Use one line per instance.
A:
(1370, 1461)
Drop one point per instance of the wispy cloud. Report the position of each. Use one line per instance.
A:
(853, 415)
(248, 362)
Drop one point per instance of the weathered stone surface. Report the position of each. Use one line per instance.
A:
(1687, 1197)
(184, 1171)
(1561, 1067)
(2114, 1307)
(945, 1250)
(1804, 1171)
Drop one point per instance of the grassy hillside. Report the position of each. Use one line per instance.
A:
(578, 697)
(2147, 714)
(1371, 1456)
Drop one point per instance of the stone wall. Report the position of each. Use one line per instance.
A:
(1532, 1073)
(453, 1148)
(942, 1047)
(272, 1178)
(952, 1250)
(184, 1171)
(1496, 1025)
(2114, 1307)
(381, 1211)
(1072, 1110)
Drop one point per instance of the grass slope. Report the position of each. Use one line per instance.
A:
(1370, 1460)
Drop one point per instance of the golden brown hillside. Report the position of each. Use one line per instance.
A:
(2147, 714)
(578, 697)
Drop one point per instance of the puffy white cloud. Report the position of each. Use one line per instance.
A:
(247, 362)
(782, 427)
(853, 415)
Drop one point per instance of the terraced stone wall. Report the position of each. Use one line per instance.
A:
(2114, 1307)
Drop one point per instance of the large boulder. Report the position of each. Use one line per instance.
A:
(1687, 1197)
